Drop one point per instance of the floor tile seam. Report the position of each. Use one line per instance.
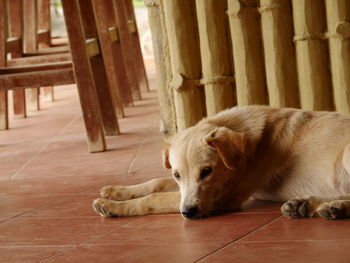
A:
(138, 149)
(30, 246)
(293, 241)
(236, 240)
(44, 147)
(36, 208)
(82, 243)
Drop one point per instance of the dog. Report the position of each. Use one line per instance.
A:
(275, 154)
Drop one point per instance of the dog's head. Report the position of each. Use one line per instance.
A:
(204, 160)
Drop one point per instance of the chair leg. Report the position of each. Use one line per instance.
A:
(19, 104)
(135, 43)
(130, 64)
(4, 123)
(95, 99)
(112, 53)
(30, 43)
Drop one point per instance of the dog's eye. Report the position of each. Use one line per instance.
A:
(205, 172)
(177, 175)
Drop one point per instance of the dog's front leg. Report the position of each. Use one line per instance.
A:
(155, 203)
(120, 192)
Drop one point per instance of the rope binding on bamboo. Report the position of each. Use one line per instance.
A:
(181, 83)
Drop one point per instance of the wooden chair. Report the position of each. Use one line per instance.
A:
(98, 108)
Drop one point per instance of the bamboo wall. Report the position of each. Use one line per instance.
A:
(215, 54)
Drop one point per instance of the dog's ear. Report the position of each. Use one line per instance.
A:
(229, 145)
(166, 162)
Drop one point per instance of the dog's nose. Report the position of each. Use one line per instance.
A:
(189, 211)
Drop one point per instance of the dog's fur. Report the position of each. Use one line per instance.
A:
(268, 153)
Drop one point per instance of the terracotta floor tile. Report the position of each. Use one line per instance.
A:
(74, 206)
(174, 229)
(13, 205)
(28, 254)
(135, 253)
(283, 252)
(286, 229)
(52, 185)
(55, 231)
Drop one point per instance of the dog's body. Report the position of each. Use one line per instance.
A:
(268, 153)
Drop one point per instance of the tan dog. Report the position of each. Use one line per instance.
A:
(268, 153)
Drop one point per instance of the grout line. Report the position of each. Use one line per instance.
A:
(75, 246)
(138, 149)
(236, 240)
(44, 146)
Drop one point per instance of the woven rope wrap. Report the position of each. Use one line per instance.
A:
(270, 7)
(151, 3)
(342, 32)
(181, 83)
(238, 9)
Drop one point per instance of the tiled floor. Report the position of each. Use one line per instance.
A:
(48, 181)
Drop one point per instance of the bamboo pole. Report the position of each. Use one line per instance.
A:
(312, 55)
(215, 53)
(247, 52)
(338, 15)
(182, 34)
(162, 60)
(277, 31)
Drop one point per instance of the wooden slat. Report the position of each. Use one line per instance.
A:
(42, 78)
(38, 67)
(39, 59)
(84, 77)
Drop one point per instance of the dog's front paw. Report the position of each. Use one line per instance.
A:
(104, 207)
(118, 193)
(297, 208)
(333, 210)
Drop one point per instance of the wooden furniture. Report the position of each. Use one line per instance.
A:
(89, 73)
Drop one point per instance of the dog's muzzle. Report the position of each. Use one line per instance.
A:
(190, 212)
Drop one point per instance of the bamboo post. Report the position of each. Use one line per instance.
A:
(30, 46)
(312, 55)
(338, 17)
(247, 52)
(162, 60)
(182, 34)
(215, 53)
(15, 19)
(3, 38)
(135, 42)
(277, 32)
